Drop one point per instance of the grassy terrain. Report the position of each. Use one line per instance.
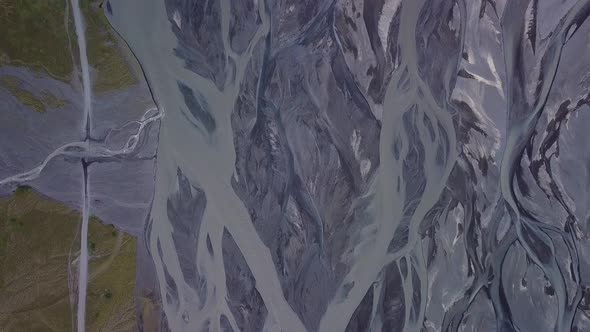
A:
(111, 305)
(103, 52)
(38, 240)
(52, 101)
(39, 104)
(150, 314)
(34, 35)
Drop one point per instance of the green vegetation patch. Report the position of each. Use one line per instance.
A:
(103, 51)
(39, 245)
(52, 101)
(34, 35)
(150, 309)
(39, 104)
(111, 305)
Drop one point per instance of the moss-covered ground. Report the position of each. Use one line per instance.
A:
(39, 244)
(34, 35)
(103, 52)
(24, 95)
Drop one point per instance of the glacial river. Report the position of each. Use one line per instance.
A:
(434, 166)
(208, 162)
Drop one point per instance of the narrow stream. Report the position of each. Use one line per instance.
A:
(83, 276)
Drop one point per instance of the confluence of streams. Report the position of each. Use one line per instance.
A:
(208, 177)
(84, 151)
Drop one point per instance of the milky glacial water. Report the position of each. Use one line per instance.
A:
(201, 158)
(361, 166)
